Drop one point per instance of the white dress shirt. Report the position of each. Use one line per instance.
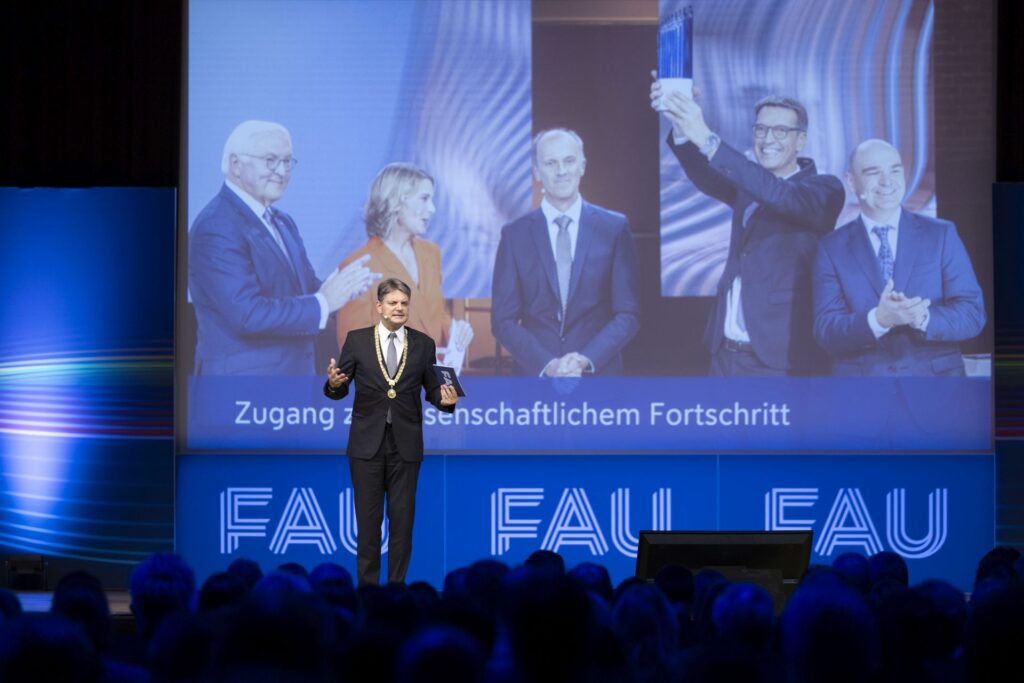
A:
(891, 236)
(734, 301)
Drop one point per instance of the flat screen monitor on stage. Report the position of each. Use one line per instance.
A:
(786, 551)
(459, 89)
(776, 560)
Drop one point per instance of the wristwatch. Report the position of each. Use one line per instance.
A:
(710, 145)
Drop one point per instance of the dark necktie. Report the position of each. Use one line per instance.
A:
(885, 258)
(563, 257)
(392, 363)
(275, 230)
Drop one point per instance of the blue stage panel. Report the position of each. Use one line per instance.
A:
(296, 508)
(934, 510)
(288, 508)
(587, 508)
(86, 361)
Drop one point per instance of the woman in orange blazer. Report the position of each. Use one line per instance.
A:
(397, 213)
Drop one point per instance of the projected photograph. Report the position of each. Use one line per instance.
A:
(788, 283)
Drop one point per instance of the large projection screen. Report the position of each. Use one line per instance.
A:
(459, 88)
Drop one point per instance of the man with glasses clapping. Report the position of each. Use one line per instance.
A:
(761, 324)
(259, 305)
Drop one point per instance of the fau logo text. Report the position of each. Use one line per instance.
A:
(301, 523)
(573, 523)
(849, 523)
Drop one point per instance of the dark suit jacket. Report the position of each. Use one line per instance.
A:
(359, 361)
(772, 253)
(931, 262)
(603, 309)
(255, 311)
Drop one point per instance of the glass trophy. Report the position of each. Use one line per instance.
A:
(675, 54)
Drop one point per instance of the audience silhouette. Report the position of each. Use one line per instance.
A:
(857, 620)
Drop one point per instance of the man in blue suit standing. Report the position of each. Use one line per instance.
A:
(894, 291)
(761, 322)
(258, 303)
(565, 295)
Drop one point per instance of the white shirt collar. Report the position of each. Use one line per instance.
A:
(383, 333)
(870, 223)
(250, 201)
(573, 212)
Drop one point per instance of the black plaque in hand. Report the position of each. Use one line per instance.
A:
(446, 375)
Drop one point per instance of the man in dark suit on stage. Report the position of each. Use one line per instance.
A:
(762, 319)
(258, 303)
(565, 294)
(390, 364)
(894, 291)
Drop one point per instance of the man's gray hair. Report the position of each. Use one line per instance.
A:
(552, 131)
(242, 135)
(786, 103)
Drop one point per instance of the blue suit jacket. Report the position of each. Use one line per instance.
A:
(603, 308)
(772, 253)
(256, 312)
(931, 262)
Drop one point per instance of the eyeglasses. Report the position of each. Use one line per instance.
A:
(273, 161)
(778, 132)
